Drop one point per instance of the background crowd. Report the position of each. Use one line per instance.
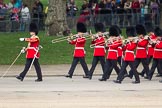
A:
(141, 9)
(18, 14)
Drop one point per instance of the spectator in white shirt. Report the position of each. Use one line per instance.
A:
(25, 17)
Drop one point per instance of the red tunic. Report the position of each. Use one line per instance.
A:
(129, 51)
(141, 48)
(79, 47)
(113, 50)
(158, 50)
(32, 49)
(99, 49)
(120, 51)
(150, 48)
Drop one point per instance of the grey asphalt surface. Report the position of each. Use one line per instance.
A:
(56, 91)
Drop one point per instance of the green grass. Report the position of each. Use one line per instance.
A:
(60, 53)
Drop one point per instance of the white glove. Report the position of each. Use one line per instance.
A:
(22, 39)
(22, 51)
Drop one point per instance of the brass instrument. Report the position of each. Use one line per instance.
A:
(70, 37)
(106, 41)
(135, 39)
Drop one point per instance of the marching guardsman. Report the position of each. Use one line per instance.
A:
(141, 52)
(111, 60)
(32, 53)
(129, 48)
(157, 55)
(120, 52)
(79, 52)
(152, 36)
(99, 48)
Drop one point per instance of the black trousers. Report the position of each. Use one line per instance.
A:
(159, 69)
(120, 60)
(123, 68)
(27, 66)
(144, 63)
(95, 62)
(155, 64)
(75, 62)
(109, 66)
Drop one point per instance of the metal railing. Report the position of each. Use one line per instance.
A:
(122, 18)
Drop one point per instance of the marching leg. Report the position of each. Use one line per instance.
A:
(84, 66)
(94, 63)
(145, 66)
(132, 66)
(38, 70)
(102, 61)
(27, 66)
(72, 68)
(114, 63)
(136, 64)
(122, 72)
(107, 67)
(159, 70)
(153, 67)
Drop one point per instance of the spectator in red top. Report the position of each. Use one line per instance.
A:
(136, 9)
(84, 8)
(135, 6)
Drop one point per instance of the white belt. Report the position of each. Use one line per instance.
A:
(158, 49)
(113, 50)
(120, 47)
(140, 48)
(32, 48)
(79, 48)
(129, 51)
(99, 47)
(149, 46)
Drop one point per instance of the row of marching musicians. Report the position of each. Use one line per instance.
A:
(121, 51)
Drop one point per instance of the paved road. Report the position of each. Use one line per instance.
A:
(60, 92)
(57, 91)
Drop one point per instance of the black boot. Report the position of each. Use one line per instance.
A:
(136, 82)
(19, 78)
(117, 81)
(102, 79)
(68, 76)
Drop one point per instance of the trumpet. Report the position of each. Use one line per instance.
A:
(70, 37)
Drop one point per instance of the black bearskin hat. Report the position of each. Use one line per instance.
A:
(131, 31)
(99, 27)
(158, 32)
(33, 28)
(119, 30)
(149, 27)
(113, 31)
(140, 29)
(81, 28)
